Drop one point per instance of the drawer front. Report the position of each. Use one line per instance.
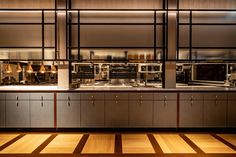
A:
(165, 96)
(17, 96)
(92, 96)
(68, 96)
(191, 96)
(41, 96)
(141, 96)
(116, 96)
(2, 96)
(214, 96)
(232, 96)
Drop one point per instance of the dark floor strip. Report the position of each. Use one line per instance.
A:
(118, 144)
(154, 143)
(190, 143)
(223, 141)
(11, 141)
(81, 144)
(44, 144)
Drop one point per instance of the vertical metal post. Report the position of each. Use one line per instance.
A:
(190, 36)
(155, 35)
(79, 35)
(43, 35)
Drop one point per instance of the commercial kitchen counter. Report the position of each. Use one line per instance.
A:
(115, 88)
(117, 107)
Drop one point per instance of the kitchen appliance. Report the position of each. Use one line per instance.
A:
(122, 71)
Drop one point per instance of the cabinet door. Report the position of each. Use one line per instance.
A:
(165, 113)
(17, 114)
(191, 113)
(2, 113)
(215, 113)
(116, 113)
(231, 113)
(68, 114)
(140, 113)
(92, 113)
(41, 114)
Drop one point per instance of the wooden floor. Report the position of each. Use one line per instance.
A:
(117, 144)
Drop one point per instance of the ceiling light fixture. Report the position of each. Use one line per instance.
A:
(8, 68)
(29, 68)
(53, 68)
(42, 68)
(18, 68)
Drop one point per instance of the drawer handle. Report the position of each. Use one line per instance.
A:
(68, 98)
(68, 103)
(41, 97)
(17, 104)
(17, 98)
(42, 104)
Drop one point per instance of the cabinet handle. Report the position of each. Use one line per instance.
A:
(92, 102)
(191, 98)
(165, 103)
(68, 98)
(92, 96)
(165, 97)
(116, 96)
(116, 102)
(141, 96)
(17, 98)
(42, 104)
(68, 103)
(216, 96)
(17, 104)
(41, 97)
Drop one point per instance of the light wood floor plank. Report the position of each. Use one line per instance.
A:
(231, 138)
(4, 138)
(62, 144)
(173, 143)
(26, 144)
(100, 144)
(209, 144)
(136, 143)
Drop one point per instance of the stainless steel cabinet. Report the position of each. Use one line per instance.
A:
(165, 110)
(92, 113)
(41, 114)
(17, 96)
(215, 105)
(17, 114)
(116, 113)
(68, 114)
(41, 110)
(140, 113)
(191, 110)
(68, 110)
(231, 111)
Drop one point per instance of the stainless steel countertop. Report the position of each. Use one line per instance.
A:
(114, 88)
